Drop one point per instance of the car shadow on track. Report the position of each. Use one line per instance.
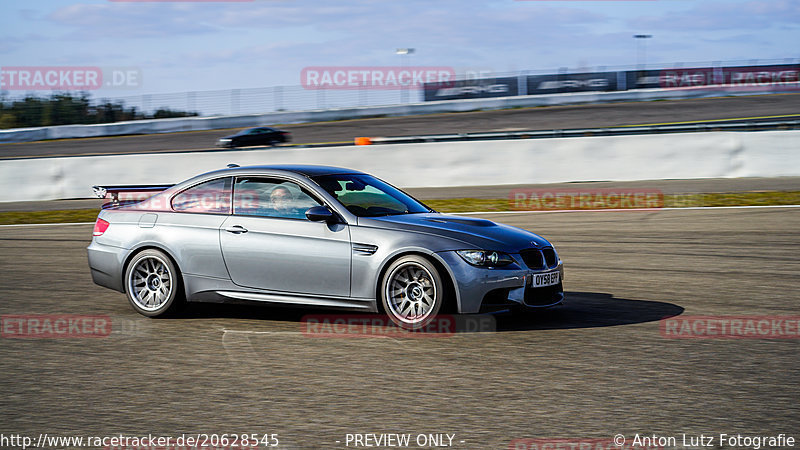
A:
(588, 310)
(580, 310)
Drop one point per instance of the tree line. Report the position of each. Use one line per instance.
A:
(69, 109)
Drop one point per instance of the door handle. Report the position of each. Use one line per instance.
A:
(236, 229)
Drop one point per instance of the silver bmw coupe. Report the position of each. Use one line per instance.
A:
(316, 236)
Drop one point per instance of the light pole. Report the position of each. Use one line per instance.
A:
(404, 53)
(641, 49)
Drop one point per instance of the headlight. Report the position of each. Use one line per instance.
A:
(484, 258)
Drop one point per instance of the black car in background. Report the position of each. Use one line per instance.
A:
(255, 136)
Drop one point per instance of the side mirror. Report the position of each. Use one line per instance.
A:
(320, 214)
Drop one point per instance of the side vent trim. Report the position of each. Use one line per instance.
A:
(364, 249)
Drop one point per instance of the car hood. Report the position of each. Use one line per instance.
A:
(478, 233)
(230, 136)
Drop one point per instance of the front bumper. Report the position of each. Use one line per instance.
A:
(480, 289)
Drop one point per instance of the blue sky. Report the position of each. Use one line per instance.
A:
(203, 46)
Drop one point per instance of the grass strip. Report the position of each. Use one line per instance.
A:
(454, 205)
(59, 216)
(771, 198)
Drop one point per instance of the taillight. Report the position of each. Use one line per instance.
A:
(100, 227)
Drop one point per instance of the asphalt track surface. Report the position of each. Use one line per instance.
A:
(592, 368)
(540, 118)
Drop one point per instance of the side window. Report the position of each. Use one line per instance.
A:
(271, 197)
(211, 197)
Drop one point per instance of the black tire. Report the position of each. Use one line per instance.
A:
(413, 304)
(153, 284)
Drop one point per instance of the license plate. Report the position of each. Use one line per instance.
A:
(545, 279)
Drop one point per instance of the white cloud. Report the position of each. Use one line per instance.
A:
(730, 15)
(270, 41)
(125, 21)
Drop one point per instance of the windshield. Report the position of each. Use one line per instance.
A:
(367, 196)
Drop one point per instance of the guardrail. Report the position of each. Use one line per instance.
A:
(586, 132)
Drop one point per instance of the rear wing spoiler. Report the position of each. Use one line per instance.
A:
(134, 192)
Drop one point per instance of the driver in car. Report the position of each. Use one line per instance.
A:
(281, 199)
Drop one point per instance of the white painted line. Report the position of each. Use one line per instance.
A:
(290, 333)
(734, 207)
(46, 224)
(691, 208)
(227, 332)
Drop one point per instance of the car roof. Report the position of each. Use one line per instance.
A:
(245, 130)
(305, 170)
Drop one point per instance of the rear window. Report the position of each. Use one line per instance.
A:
(211, 197)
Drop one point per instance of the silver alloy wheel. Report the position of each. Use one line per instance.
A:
(150, 283)
(411, 293)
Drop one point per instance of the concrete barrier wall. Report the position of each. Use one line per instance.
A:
(253, 120)
(471, 163)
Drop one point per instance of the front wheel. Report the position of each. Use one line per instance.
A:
(153, 284)
(412, 292)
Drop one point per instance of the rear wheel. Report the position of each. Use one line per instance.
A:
(412, 292)
(153, 284)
